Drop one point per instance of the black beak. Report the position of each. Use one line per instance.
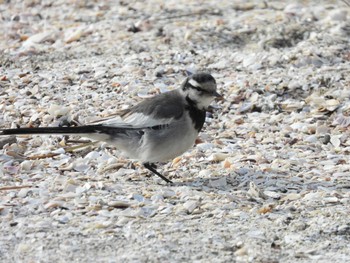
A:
(218, 96)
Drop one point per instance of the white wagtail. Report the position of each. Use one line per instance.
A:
(157, 129)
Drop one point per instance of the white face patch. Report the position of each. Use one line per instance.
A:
(202, 94)
(194, 83)
(203, 102)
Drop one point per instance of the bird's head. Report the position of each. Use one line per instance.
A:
(201, 89)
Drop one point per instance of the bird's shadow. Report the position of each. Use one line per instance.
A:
(277, 182)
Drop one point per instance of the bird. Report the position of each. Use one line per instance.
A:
(155, 130)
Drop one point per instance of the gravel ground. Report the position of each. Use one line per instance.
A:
(268, 180)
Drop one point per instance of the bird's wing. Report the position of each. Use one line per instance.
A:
(159, 110)
(106, 118)
(111, 120)
(156, 111)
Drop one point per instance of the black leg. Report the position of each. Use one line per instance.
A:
(152, 168)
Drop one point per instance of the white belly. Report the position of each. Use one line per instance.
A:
(157, 145)
(160, 146)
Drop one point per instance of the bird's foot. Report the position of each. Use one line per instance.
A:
(152, 167)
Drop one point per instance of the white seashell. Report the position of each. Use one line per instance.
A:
(335, 140)
(167, 193)
(23, 192)
(122, 172)
(162, 87)
(69, 187)
(315, 100)
(342, 121)
(93, 155)
(23, 248)
(254, 97)
(63, 219)
(103, 168)
(157, 198)
(138, 197)
(205, 173)
(80, 202)
(222, 182)
(322, 129)
(313, 196)
(118, 204)
(338, 15)
(35, 89)
(293, 85)
(99, 74)
(62, 163)
(221, 64)
(250, 61)
(243, 171)
(144, 94)
(311, 139)
(38, 38)
(272, 194)
(291, 197)
(218, 157)
(53, 204)
(166, 210)
(246, 106)
(58, 110)
(290, 105)
(292, 238)
(254, 191)
(293, 9)
(82, 189)
(73, 35)
(98, 225)
(241, 252)
(331, 199)
(190, 205)
(329, 105)
(81, 167)
(26, 165)
(297, 126)
(130, 212)
(35, 116)
(205, 146)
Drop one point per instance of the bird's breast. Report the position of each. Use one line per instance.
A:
(170, 142)
(197, 117)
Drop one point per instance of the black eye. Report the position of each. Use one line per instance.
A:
(199, 89)
(196, 88)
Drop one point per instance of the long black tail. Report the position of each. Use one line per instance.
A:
(65, 130)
